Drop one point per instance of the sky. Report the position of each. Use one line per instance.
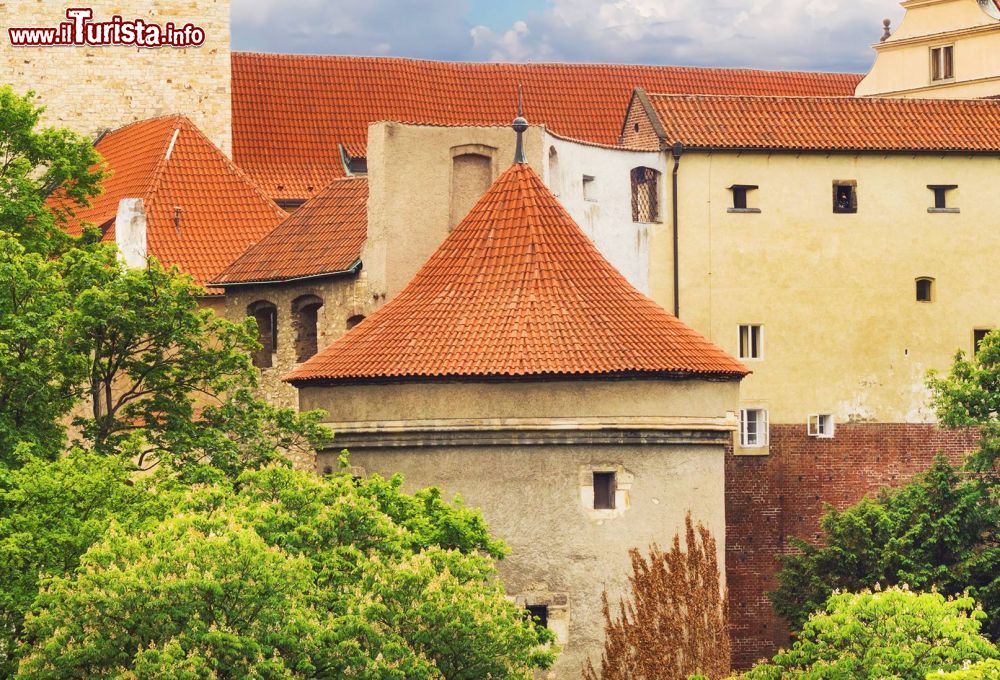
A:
(821, 35)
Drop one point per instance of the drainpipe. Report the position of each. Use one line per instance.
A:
(677, 150)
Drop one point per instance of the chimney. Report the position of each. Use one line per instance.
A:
(130, 232)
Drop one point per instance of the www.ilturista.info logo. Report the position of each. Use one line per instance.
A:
(81, 30)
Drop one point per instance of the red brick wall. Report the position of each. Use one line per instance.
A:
(772, 498)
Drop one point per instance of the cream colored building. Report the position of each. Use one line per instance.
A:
(943, 49)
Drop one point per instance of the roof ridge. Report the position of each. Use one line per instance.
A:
(891, 101)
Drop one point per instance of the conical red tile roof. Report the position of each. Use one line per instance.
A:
(517, 289)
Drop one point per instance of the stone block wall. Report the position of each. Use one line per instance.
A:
(770, 499)
(90, 89)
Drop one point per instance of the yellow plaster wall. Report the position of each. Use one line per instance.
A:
(843, 333)
(90, 89)
(902, 66)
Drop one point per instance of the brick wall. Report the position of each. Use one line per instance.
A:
(772, 498)
(90, 89)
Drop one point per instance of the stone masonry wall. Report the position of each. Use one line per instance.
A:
(772, 498)
(90, 89)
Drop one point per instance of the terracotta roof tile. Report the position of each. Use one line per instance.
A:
(829, 123)
(517, 289)
(291, 112)
(324, 236)
(169, 163)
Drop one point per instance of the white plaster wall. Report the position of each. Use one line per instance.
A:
(607, 216)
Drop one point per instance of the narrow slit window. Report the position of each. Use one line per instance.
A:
(751, 341)
(941, 197)
(589, 188)
(305, 311)
(266, 316)
(753, 428)
(741, 194)
(925, 289)
(845, 196)
(604, 491)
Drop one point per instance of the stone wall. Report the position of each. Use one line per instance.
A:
(770, 499)
(90, 89)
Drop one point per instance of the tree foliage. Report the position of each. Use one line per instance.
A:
(674, 622)
(287, 575)
(938, 532)
(969, 396)
(891, 634)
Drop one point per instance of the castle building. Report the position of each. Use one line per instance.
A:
(834, 232)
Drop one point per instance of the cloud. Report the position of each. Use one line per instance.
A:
(779, 34)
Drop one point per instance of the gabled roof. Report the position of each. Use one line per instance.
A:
(292, 113)
(825, 124)
(323, 237)
(517, 289)
(170, 164)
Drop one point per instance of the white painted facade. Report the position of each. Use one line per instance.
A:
(603, 208)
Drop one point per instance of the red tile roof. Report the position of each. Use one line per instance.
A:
(517, 289)
(291, 112)
(324, 236)
(169, 163)
(829, 123)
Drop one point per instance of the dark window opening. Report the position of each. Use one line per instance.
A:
(925, 290)
(539, 613)
(978, 336)
(740, 192)
(604, 491)
(845, 197)
(943, 63)
(266, 315)
(941, 194)
(305, 310)
(645, 199)
(355, 320)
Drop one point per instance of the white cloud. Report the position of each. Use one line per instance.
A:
(780, 34)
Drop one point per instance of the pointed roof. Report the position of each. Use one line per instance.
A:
(295, 115)
(170, 164)
(517, 289)
(322, 238)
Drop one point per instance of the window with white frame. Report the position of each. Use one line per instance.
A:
(753, 428)
(943, 62)
(751, 341)
(821, 426)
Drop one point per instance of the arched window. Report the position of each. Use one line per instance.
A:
(266, 315)
(471, 176)
(305, 311)
(645, 195)
(555, 178)
(925, 289)
(355, 320)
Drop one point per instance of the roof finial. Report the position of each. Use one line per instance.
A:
(520, 125)
(887, 33)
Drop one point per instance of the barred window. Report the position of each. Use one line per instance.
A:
(645, 195)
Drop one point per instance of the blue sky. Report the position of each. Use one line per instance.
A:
(827, 35)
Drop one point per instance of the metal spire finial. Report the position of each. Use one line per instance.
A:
(520, 125)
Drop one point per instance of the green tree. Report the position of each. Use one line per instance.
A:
(288, 576)
(50, 514)
(34, 163)
(892, 634)
(984, 670)
(939, 532)
(969, 396)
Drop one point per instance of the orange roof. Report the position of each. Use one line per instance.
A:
(322, 237)
(170, 164)
(291, 113)
(517, 289)
(828, 123)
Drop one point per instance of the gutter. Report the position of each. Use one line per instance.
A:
(353, 269)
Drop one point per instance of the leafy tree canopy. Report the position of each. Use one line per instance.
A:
(287, 575)
(892, 634)
(939, 532)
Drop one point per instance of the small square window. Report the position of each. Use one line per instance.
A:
(978, 336)
(845, 196)
(941, 197)
(943, 62)
(589, 188)
(751, 342)
(741, 198)
(821, 426)
(604, 491)
(925, 290)
(753, 428)
(539, 613)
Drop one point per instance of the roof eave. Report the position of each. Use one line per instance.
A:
(710, 376)
(353, 269)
